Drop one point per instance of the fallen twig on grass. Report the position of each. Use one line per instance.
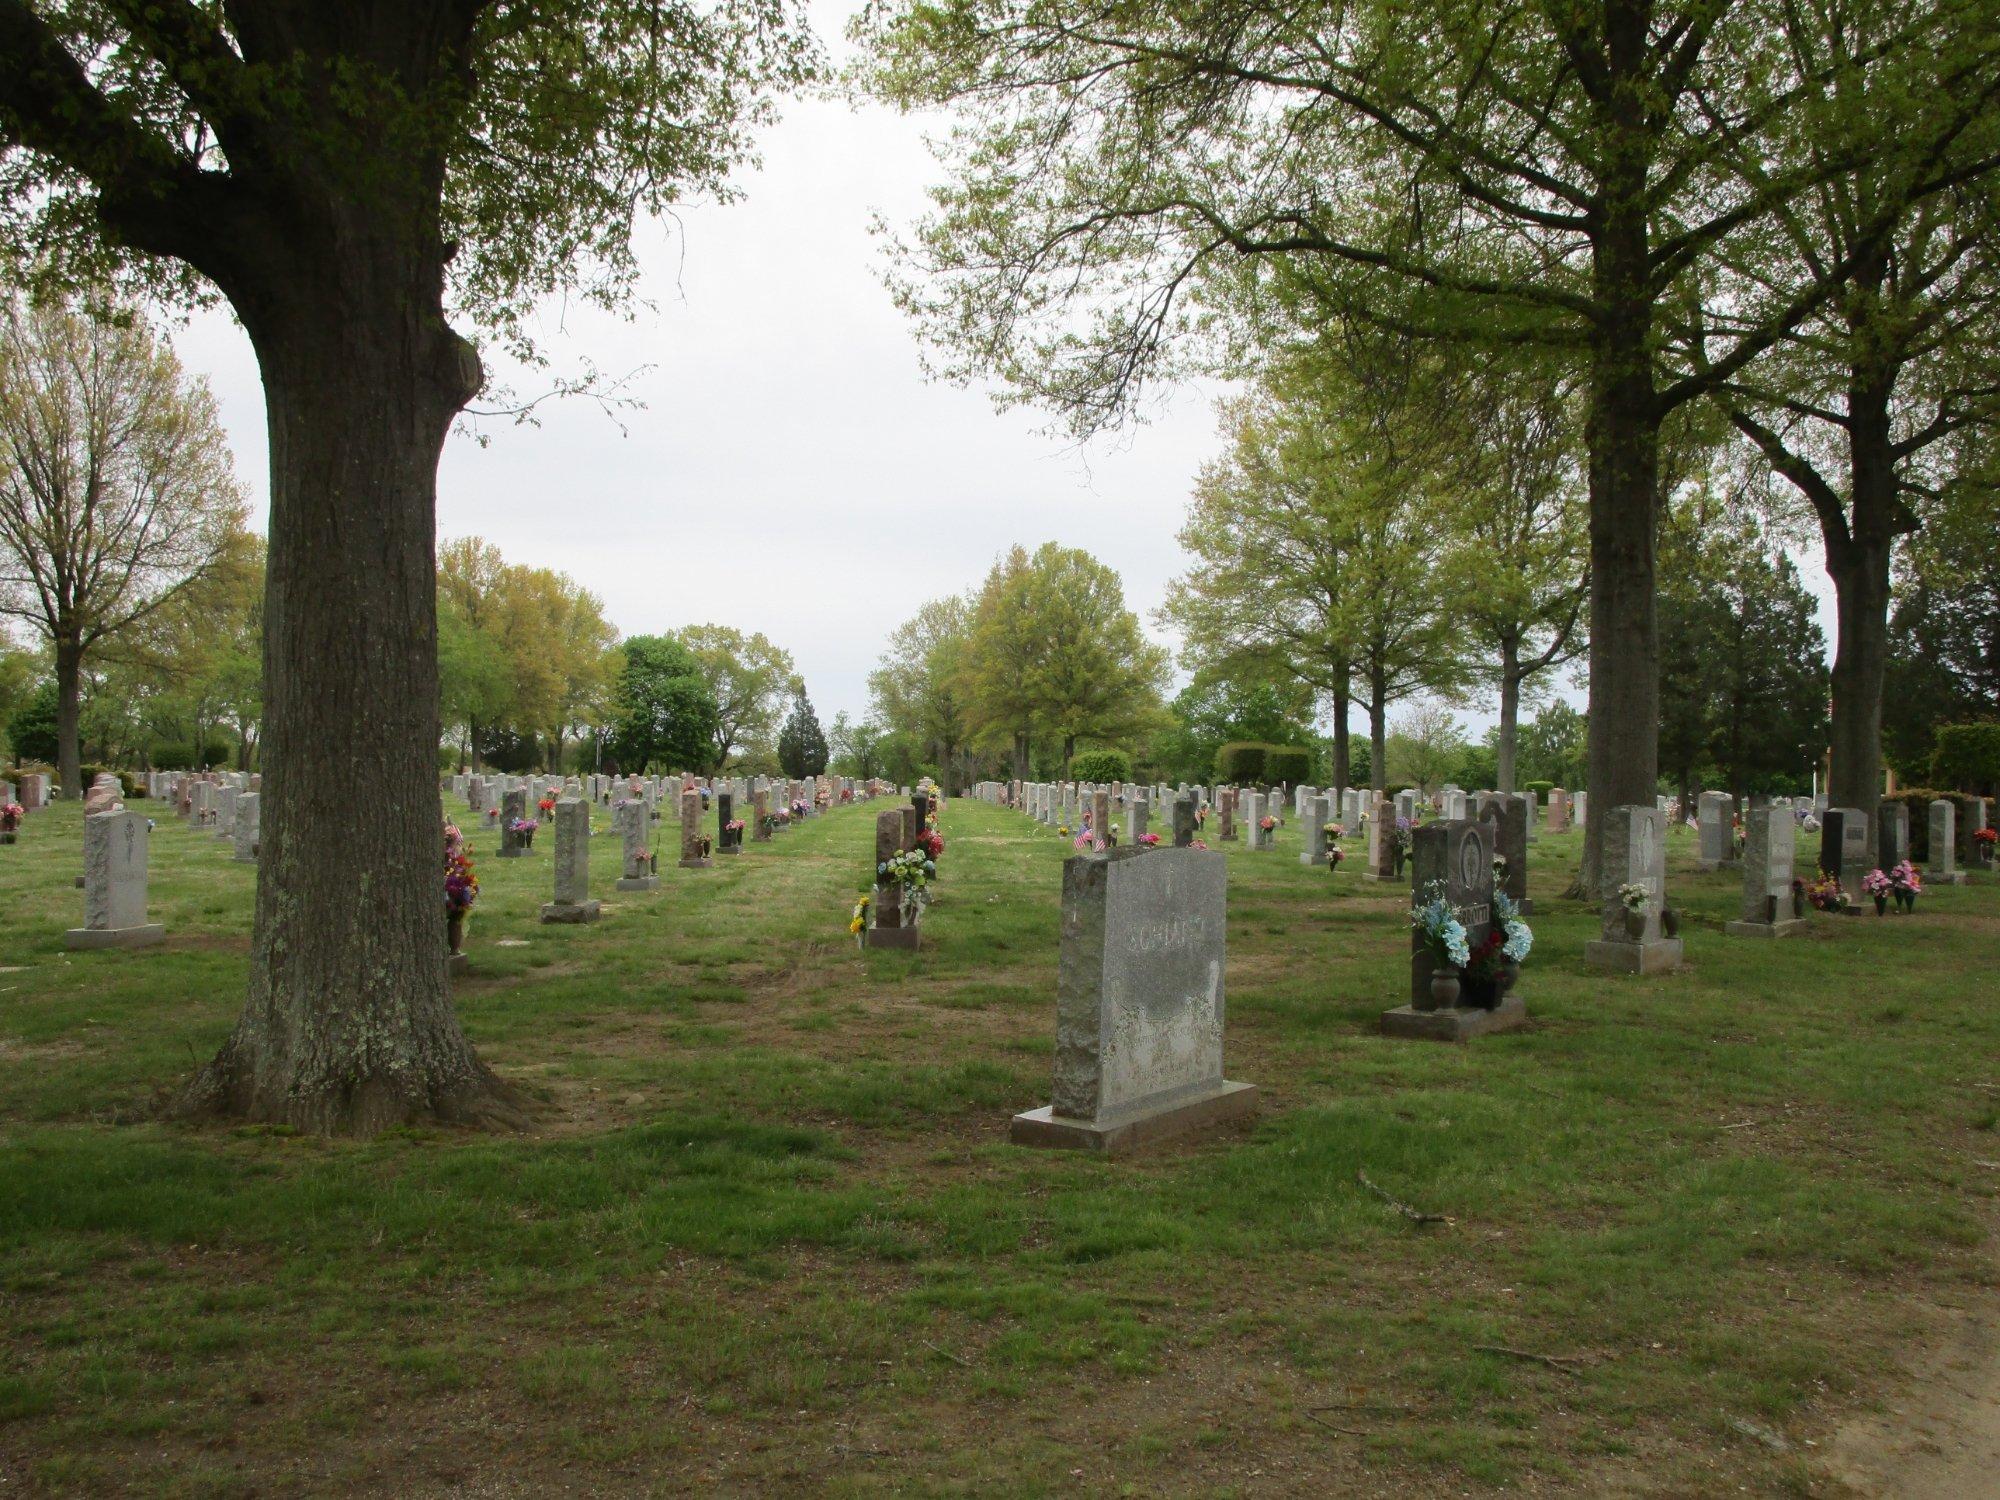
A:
(1561, 1362)
(1414, 1215)
(1313, 1415)
(957, 1359)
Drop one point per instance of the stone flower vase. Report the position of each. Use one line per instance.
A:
(1670, 921)
(1510, 975)
(1444, 987)
(1635, 925)
(1881, 905)
(1798, 903)
(454, 927)
(1771, 909)
(1907, 901)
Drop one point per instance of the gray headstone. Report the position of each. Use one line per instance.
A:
(1139, 1006)
(114, 884)
(572, 862)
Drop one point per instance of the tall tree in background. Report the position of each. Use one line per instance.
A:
(1744, 677)
(1004, 638)
(1220, 706)
(1944, 638)
(336, 169)
(1558, 175)
(920, 688)
(198, 657)
(663, 710)
(1319, 537)
(116, 489)
(1094, 676)
(752, 681)
(1898, 252)
(1520, 510)
(801, 743)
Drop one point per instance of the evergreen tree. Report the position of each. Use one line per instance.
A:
(801, 743)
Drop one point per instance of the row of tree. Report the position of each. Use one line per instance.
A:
(1784, 213)
(124, 555)
(1044, 652)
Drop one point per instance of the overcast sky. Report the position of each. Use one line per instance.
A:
(791, 471)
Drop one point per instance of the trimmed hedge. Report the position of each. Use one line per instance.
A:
(1101, 766)
(1241, 763)
(1291, 764)
(1254, 763)
(1541, 789)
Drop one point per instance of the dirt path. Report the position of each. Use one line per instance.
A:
(1938, 1436)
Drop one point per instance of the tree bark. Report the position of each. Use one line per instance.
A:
(69, 716)
(349, 1026)
(1341, 756)
(1378, 732)
(1623, 432)
(1510, 713)
(1859, 562)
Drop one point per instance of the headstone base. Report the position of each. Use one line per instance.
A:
(1224, 1104)
(890, 937)
(730, 849)
(511, 853)
(115, 937)
(1789, 927)
(247, 859)
(1710, 866)
(570, 911)
(1662, 957)
(1456, 1024)
(639, 883)
(454, 965)
(1957, 877)
(697, 864)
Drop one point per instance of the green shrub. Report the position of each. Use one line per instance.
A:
(1541, 789)
(32, 730)
(1290, 764)
(1241, 763)
(1101, 766)
(1967, 757)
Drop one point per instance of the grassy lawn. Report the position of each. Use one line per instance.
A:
(771, 1238)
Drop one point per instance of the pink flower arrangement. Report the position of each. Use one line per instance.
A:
(11, 815)
(1149, 839)
(1905, 878)
(1875, 883)
(461, 885)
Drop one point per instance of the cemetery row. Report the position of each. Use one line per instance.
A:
(1140, 1002)
(1140, 996)
(513, 810)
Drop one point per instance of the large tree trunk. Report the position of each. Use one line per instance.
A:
(1340, 745)
(1623, 434)
(1858, 563)
(1378, 732)
(69, 715)
(1509, 735)
(349, 1025)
